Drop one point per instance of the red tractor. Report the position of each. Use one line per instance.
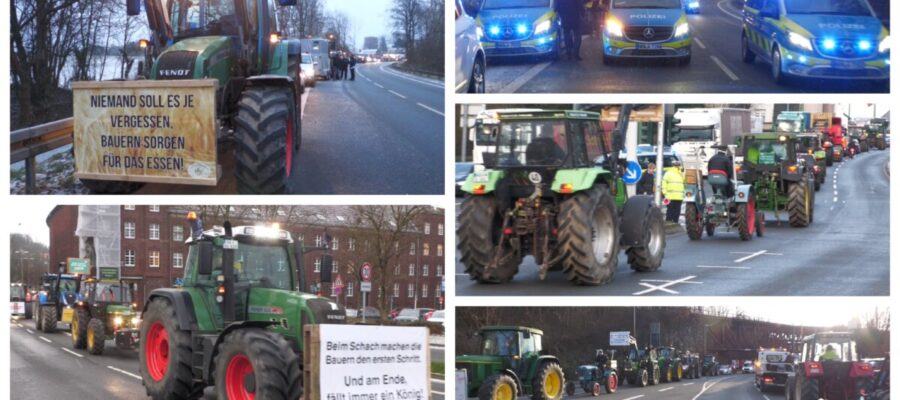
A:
(829, 369)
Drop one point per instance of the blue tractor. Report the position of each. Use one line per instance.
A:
(56, 299)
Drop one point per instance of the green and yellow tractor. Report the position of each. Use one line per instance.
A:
(670, 364)
(106, 312)
(782, 181)
(512, 363)
(552, 189)
(878, 128)
(237, 320)
(640, 366)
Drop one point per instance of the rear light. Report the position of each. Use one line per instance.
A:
(814, 369)
(792, 169)
(478, 189)
(737, 168)
(768, 379)
(508, 231)
(566, 188)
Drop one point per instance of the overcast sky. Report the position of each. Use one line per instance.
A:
(864, 110)
(367, 18)
(836, 312)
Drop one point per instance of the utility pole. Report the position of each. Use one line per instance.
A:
(416, 284)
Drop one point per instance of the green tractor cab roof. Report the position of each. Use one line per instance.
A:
(547, 114)
(512, 328)
(247, 232)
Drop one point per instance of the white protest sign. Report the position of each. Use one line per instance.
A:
(462, 385)
(619, 338)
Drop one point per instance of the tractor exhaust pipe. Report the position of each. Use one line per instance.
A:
(228, 273)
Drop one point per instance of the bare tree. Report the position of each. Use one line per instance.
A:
(406, 16)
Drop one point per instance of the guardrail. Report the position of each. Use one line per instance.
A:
(28, 143)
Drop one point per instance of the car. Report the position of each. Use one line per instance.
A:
(823, 39)
(436, 316)
(648, 29)
(517, 28)
(470, 58)
(411, 314)
(308, 69)
(725, 369)
(747, 368)
(393, 313)
(692, 7)
(462, 172)
(876, 363)
(369, 312)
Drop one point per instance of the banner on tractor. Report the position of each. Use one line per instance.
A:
(146, 131)
(366, 362)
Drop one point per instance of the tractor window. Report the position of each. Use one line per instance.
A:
(16, 291)
(67, 285)
(113, 293)
(531, 143)
(499, 343)
(664, 353)
(835, 351)
(263, 266)
(766, 152)
(198, 17)
(587, 145)
(528, 345)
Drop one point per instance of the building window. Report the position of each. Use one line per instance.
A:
(424, 290)
(318, 240)
(154, 208)
(426, 249)
(396, 290)
(129, 207)
(380, 291)
(425, 270)
(177, 260)
(334, 266)
(352, 244)
(412, 269)
(129, 230)
(397, 270)
(318, 265)
(440, 250)
(411, 291)
(178, 233)
(437, 290)
(154, 231)
(350, 289)
(412, 248)
(129, 258)
(440, 229)
(154, 259)
(427, 228)
(440, 270)
(335, 244)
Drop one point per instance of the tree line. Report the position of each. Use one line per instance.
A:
(419, 30)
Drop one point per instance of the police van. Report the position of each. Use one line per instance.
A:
(826, 39)
(647, 29)
(519, 28)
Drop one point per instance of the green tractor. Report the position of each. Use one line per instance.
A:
(670, 364)
(693, 365)
(878, 128)
(512, 363)
(551, 189)
(710, 366)
(259, 88)
(640, 367)
(237, 320)
(782, 180)
(106, 312)
(810, 146)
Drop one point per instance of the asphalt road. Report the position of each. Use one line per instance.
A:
(716, 67)
(45, 366)
(844, 252)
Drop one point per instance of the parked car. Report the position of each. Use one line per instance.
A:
(393, 314)
(308, 68)
(369, 312)
(436, 316)
(412, 314)
(725, 369)
(470, 59)
(748, 367)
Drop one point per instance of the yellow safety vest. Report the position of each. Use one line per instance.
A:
(673, 184)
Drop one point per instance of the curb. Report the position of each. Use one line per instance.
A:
(409, 70)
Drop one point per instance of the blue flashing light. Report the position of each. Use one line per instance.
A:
(542, 40)
(521, 29)
(803, 59)
(694, 4)
(494, 30)
(865, 45)
(829, 44)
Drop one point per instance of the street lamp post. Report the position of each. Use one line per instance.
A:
(416, 273)
(705, 329)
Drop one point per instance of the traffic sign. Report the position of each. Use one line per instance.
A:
(78, 266)
(365, 272)
(365, 286)
(338, 282)
(633, 173)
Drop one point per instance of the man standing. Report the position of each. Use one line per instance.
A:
(352, 68)
(673, 190)
(570, 14)
(648, 181)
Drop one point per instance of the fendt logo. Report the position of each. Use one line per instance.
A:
(174, 73)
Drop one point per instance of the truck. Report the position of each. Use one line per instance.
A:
(319, 51)
(772, 369)
(19, 301)
(699, 129)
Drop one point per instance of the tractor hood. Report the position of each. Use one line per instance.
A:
(190, 58)
(120, 309)
(479, 360)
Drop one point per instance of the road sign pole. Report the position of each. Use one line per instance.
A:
(364, 306)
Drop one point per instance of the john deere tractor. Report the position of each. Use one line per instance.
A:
(237, 320)
(640, 367)
(512, 363)
(692, 365)
(258, 94)
(56, 299)
(781, 180)
(670, 364)
(106, 312)
(551, 189)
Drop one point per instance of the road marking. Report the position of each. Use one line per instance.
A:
(67, 333)
(138, 377)
(699, 43)
(835, 199)
(835, 186)
(663, 287)
(687, 384)
(409, 78)
(738, 16)
(742, 259)
(705, 388)
(45, 339)
(747, 252)
(668, 388)
(72, 352)
(724, 68)
(517, 84)
(634, 397)
(29, 330)
(430, 109)
(664, 281)
(766, 397)
(721, 267)
(397, 94)
(379, 85)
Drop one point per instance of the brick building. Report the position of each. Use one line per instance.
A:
(154, 253)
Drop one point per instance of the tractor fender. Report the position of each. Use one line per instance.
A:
(742, 195)
(538, 361)
(273, 80)
(632, 222)
(184, 306)
(690, 193)
(512, 374)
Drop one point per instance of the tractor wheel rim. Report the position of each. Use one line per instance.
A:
(602, 235)
(236, 374)
(289, 148)
(90, 338)
(669, 374)
(75, 330)
(595, 390)
(613, 383)
(503, 392)
(751, 215)
(656, 239)
(552, 385)
(678, 373)
(157, 351)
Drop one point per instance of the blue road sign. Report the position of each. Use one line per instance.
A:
(632, 173)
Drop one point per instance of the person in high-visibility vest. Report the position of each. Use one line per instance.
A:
(673, 190)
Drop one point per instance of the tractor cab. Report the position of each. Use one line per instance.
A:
(104, 312)
(830, 366)
(773, 156)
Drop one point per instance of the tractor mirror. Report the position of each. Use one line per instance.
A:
(134, 7)
(526, 335)
(205, 259)
(287, 2)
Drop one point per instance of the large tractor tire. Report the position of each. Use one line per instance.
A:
(668, 376)
(693, 222)
(165, 354)
(498, 387)
(643, 377)
(643, 234)
(548, 383)
(96, 336)
(255, 363)
(38, 317)
(48, 319)
(809, 389)
(799, 205)
(612, 383)
(829, 157)
(479, 233)
(679, 372)
(111, 187)
(746, 219)
(589, 237)
(267, 136)
(570, 388)
(654, 380)
(79, 329)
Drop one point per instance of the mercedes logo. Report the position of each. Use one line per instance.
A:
(847, 48)
(508, 32)
(649, 33)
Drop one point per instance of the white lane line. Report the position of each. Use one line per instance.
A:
(517, 84)
(663, 287)
(687, 384)
(45, 339)
(835, 187)
(748, 252)
(72, 352)
(724, 68)
(721, 267)
(379, 86)
(430, 109)
(699, 43)
(634, 397)
(409, 78)
(665, 281)
(668, 388)
(138, 377)
(29, 330)
(742, 259)
(397, 94)
(738, 16)
(835, 199)
(67, 333)
(766, 397)
(705, 388)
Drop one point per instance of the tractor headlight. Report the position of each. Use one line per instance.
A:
(682, 30)
(135, 321)
(542, 27)
(800, 41)
(117, 321)
(885, 45)
(614, 27)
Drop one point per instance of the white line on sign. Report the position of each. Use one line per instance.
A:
(742, 259)
(397, 94)
(517, 84)
(29, 330)
(634, 397)
(724, 68)
(668, 388)
(437, 380)
(699, 43)
(721, 267)
(430, 109)
(45, 339)
(124, 372)
(72, 352)
(436, 392)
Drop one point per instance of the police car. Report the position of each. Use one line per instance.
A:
(826, 39)
(519, 28)
(646, 29)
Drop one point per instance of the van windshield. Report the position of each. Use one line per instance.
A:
(834, 7)
(696, 134)
(498, 4)
(673, 4)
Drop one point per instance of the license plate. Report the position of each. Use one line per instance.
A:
(507, 45)
(847, 64)
(649, 46)
(68, 313)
